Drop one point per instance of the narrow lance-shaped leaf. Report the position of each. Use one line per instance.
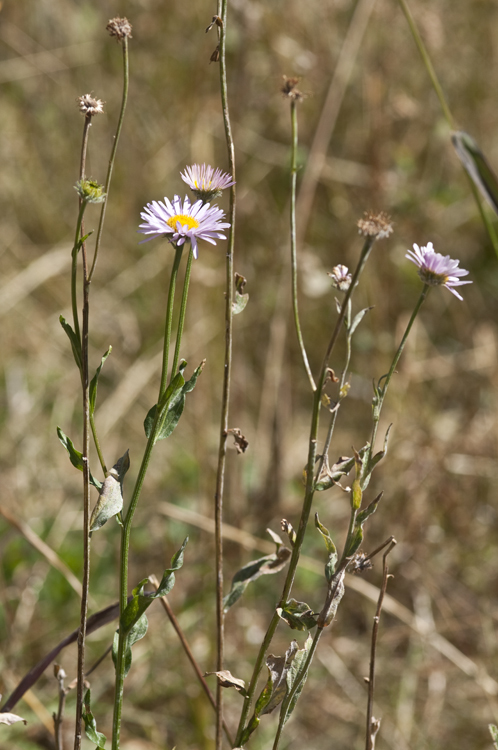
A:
(133, 621)
(477, 167)
(75, 456)
(278, 667)
(172, 404)
(357, 319)
(263, 566)
(110, 501)
(356, 538)
(75, 343)
(331, 549)
(295, 673)
(92, 390)
(90, 724)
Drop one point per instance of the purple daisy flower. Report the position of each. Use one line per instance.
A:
(180, 222)
(435, 269)
(206, 182)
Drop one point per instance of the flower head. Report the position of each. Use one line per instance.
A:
(180, 222)
(205, 182)
(289, 89)
(375, 225)
(435, 269)
(90, 191)
(90, 106)
(341, 278)
(120, 28)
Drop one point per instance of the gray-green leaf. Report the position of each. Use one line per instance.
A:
(110, 501)
(253, 570)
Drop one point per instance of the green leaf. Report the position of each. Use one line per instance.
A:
(356, 538)
(332, 474)
(253, 570)
(293, 674)
(331, 549)
(75, 343)
(172, 404)
(92, 391)
(110, 501)
(137, 632)
(477, 167)
(357, 319)
(298, 615)
(494, 734)
(90, 724)
(75, 456)
(239, 303)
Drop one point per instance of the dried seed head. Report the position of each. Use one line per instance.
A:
(289, 89)
(120, 28)
(375, 225)
(90, 106)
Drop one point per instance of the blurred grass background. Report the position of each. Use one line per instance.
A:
(389, 150)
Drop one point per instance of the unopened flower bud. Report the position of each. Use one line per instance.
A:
(90, 191)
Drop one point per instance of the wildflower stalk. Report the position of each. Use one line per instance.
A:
(229, 297)
(447, 114)
(169, 319)
(83, 341)
(128, 518)
(294, 142)
(381, 391)
(183, 307)
(310, 487)
(112, 158)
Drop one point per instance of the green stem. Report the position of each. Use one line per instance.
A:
(183, 307)
(382, 390)
(227, 374)
(447, 114)
(293, 171)
(310, 488)
(74, 271)
(428, 64)
(97, 444)
(110, 168)
(169, 319)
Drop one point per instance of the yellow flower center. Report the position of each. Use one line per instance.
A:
(183, 219)
(206, 184)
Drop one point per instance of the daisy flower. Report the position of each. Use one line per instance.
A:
(179, 222)
(435, 269)
(341, 278)
(206, 182)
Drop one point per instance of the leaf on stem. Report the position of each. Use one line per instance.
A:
(110, 501)
(241, 300)
(164, 417)
(75, 343)
(263, 566)
(298, 615)
(75, 456)
(133, 621)
(477, 167)
(227, 680)
(368, 466)
(331, 475)
(356, 538)
(92, 390)
(494, 734)
(331, 549)
(90, 724)
(293, 674)
(357, 319)
(9, 719)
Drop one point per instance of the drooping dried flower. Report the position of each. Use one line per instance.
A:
(289, 89)
(341, 278)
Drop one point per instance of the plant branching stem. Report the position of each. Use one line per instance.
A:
(229, 296)
(373, 726)
(85, 586)
(293, 171)
(309, 492)
(112, 158)
(128, 518)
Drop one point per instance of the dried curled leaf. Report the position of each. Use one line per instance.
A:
(227, 680)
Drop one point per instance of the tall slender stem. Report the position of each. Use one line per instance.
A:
(310, 488)
(169, 319)
(181, 320)
(229, 296)
(110, 168)
(85, 452)
(293, 171)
